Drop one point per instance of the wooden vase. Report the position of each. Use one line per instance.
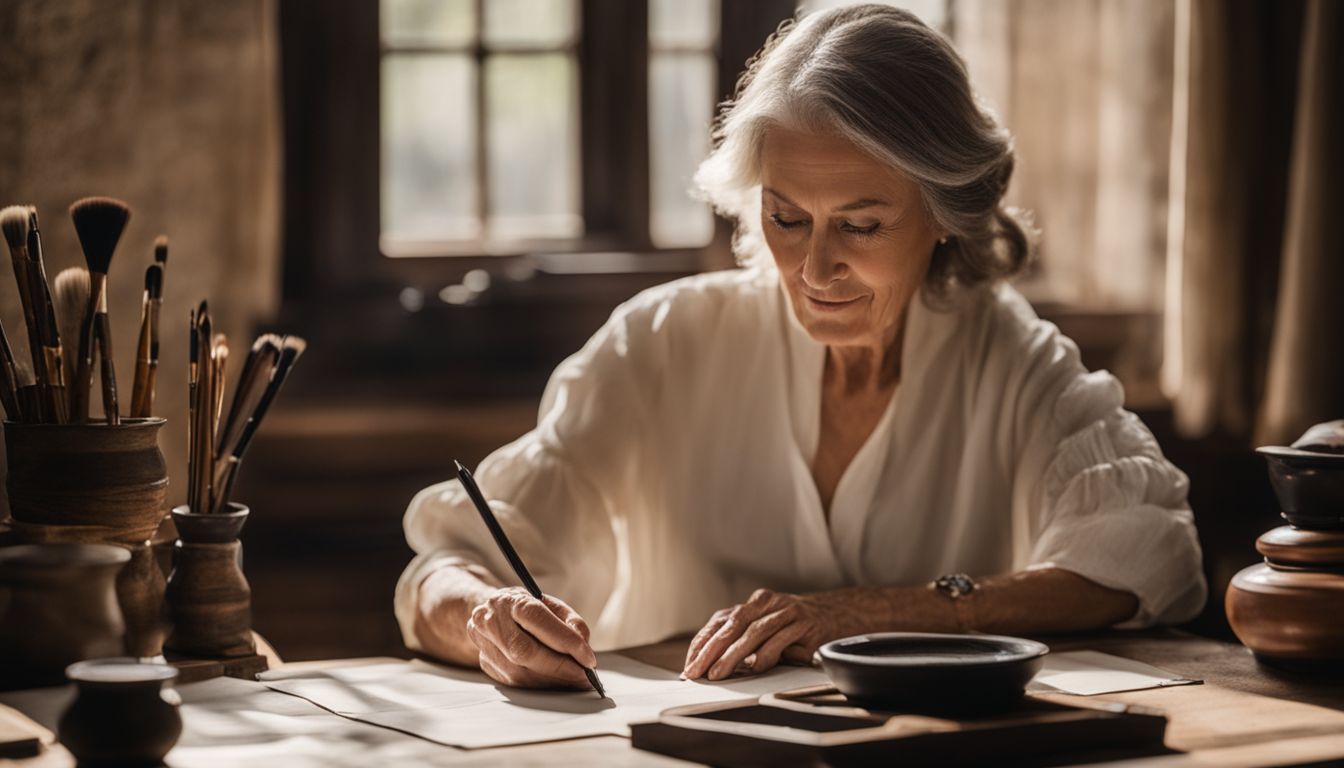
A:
(58, 605)
(209, 600)
(98, 482)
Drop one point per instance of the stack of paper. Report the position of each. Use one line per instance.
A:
(465, 709)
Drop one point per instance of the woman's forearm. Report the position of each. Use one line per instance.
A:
(1028, 602)
(447, 597)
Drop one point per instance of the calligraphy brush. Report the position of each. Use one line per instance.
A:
(511, 554)
(16, 223)
(256, 374)
(193, 381)
(200, 480)
(99, 222)
(9, 386)
(45, 312)
(291, 349)
(30, 397)
(142, 392)
(155, 308)
(70, 295)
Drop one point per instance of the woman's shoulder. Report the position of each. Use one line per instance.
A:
(706, 302)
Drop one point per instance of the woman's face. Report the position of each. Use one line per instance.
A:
(850, 236)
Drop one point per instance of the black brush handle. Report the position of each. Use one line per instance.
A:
(109, 373)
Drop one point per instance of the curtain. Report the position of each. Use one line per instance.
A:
(1251, 347)
(173, 107)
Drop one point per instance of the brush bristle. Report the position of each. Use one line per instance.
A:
(154, 281)
(99, 222)
(161, 249)
(16, 223)
(70, 297)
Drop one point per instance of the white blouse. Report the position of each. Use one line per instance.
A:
(669, 472)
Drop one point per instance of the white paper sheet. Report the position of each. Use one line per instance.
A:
(465, 709)
(1088, 673)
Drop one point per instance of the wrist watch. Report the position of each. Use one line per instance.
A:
(958, 587)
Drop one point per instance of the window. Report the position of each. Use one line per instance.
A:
(683, 40)
(481, 149)
(480, 124)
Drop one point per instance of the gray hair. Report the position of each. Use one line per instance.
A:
(898, 90)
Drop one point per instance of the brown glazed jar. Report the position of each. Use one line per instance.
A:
(125, 713)
(1289, 616)
(108, 481)
(209, 599)
(58, 605)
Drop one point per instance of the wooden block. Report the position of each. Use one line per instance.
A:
(193, 670)
(19, 736)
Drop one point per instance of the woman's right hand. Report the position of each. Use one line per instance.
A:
(530, 643)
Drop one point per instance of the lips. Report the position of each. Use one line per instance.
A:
(831, 305)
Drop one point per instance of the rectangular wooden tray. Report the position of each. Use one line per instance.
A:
(818, 726)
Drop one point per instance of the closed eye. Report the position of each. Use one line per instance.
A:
(783, 223)
(868, 230)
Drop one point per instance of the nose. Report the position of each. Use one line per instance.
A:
(822, 266)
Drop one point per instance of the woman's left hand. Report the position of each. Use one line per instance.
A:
(757, 634)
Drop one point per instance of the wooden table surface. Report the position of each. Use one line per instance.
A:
(1244, 714)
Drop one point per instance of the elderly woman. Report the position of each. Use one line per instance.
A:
(863, 429)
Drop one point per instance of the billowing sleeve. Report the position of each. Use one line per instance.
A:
(1096, 494)
(560, 491)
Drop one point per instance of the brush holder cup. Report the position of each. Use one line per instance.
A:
(209, 600)
(97, 483)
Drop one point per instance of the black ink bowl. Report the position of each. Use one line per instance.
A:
(1309, 485)
(933, 673)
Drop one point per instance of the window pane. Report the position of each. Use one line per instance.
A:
(532, 150)
(530, 22)
(683, 23)
(428, 22)
(428, 138)
(931, 12)
(681, 100)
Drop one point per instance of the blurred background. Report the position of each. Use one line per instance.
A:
(446, 197)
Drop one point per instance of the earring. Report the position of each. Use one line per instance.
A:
(942, 241)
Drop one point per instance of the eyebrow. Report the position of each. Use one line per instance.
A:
(865, 202)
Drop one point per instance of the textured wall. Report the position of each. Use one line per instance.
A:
(171, 105)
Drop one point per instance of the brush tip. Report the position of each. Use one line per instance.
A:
(459, 466)
(99, 222)
(161, 249)
(16, 222)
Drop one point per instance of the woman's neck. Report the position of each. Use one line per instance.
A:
(857, 369)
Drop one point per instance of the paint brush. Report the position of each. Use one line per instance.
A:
(204, 396)
(155, 310)
(25, 383)
(99, 222)
(9, 383)
(15, 223)
(193, 381)
(227, 466)
(70, 296)
(142, 391)
(256, 374)
(52, 348)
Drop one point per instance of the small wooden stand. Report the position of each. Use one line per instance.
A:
(817, 726)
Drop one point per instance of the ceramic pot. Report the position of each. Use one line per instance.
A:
(1288, 615)
(209, 599)
(1309, 486)
(109, 483)
(125, 713)
(58, 605)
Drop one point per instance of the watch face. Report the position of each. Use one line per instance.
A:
(955, 585)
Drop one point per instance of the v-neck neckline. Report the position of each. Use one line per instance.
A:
(829, 531)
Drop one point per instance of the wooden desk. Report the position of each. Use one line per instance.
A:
(1244, 714)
